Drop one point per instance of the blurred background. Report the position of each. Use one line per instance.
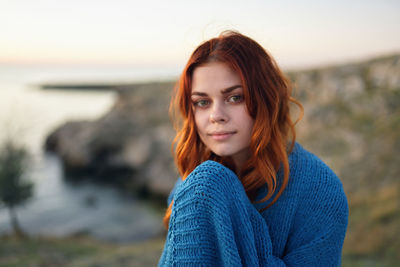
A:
(85, 162)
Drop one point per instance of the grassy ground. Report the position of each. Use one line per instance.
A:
(79, 251)
(86, 252)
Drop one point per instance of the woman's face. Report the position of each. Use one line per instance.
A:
(221, 116)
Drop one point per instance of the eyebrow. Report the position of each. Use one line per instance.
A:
(223, 91)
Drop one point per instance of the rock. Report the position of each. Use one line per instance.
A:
(71, 141)
(129, 145)
(137, 151)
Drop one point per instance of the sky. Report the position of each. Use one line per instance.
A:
(164, 33)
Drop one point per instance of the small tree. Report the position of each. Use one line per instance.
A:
(14, 190)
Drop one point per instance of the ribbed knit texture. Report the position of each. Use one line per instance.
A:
(213, 223)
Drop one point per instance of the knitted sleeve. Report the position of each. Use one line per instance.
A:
(319, 224)
(213, 223)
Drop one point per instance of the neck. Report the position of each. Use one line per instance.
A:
(240, 159)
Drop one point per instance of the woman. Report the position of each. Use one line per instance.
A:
(249, 195)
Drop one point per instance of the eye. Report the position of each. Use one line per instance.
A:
(201, 103)
(235, 99)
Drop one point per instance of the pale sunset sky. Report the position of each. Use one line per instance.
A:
(296, 33)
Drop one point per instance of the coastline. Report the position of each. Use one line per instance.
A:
(98, 86)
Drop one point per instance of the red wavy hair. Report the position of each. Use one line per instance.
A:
(267, 95)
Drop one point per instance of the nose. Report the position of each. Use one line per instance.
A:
(218, 114)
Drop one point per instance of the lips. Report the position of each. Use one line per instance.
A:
(220, 136)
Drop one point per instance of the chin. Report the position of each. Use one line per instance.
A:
(222, 155)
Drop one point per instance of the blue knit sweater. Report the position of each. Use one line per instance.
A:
(213, 223)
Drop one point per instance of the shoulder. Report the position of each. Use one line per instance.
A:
(309, 170)
(317, 186)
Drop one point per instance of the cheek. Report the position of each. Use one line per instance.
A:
(200, 120)
(247, 122)
(244, 117)
(248, 125)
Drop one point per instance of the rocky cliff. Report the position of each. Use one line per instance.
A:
(130, 145)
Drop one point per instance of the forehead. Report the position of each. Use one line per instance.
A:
(214, 76)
